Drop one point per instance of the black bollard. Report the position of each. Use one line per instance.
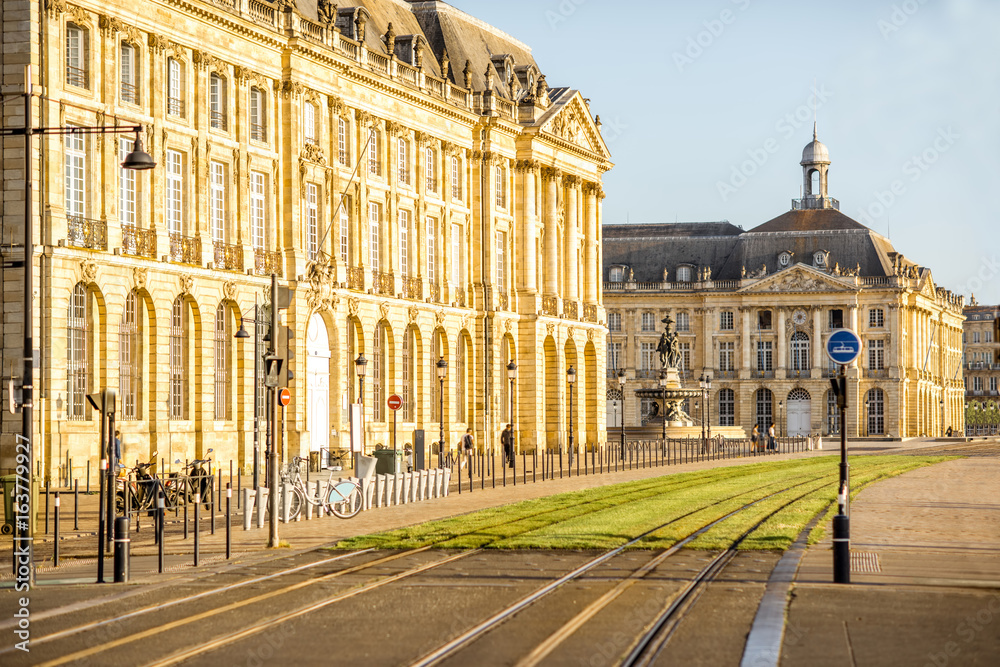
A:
(186, 492)
(161, 516)
(841, 549)
(239, 490)
(46, 508)
(88, 475)
(55, 526)
(197, 504)
(121, 549)
(100, 524)
(229, 521)
(76, 504)
(212, 496)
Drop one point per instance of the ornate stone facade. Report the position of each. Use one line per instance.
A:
(398, 196)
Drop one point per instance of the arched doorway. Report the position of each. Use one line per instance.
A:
(318, 388)
(799, 410)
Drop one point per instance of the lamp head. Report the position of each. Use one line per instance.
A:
(242, 333)
(138, 159)
(512, 370)
(442, 368)
(621, 377)
(571, 375)
(360, 365)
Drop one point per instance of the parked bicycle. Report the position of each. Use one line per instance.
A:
(341, 498)
(199, 479)
(138, 487)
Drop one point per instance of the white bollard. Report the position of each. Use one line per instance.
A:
(447, 480)
(397, 487)
(261, 506)
(248, 506)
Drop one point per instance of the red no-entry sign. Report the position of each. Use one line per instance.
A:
(395, 402)
(285, 397)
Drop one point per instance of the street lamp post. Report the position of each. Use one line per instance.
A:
(360, 367)
(701, 385)
(442, 372)
(137, 160)
(708, 405)
(621, 385)
(571, 378)
(663, 401)
(781, 404)
(512, 376)
(243, 334)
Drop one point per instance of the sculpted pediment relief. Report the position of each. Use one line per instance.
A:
(573, 123)
(799, 279)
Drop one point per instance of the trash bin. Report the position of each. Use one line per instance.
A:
(8, 482)
(388, 461)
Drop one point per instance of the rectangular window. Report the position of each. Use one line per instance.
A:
(764, 320)
(309, 123)
(432, 249)
(614, 321)
(836, 318)
(501, 262)
(77, 371)
(175, 189)
(312, 221)
(217, 102)
(126, 186)
(975, 336)
(648, 322)
(685, 364)
(342, 141)
(374, 235)
(727, 407)
(223, 388)
(683, 322)
(178, 344)
(614, 356)
(217, 187)
(404, 243)
(726, 321)
(457, 277)
(501, 188)
(129, 80)
(876, 355)
(765, 355)
(75, 174)
(993, 385)
(726, 356)
(175, 86)
(258, 118)
(876, 317)
(374, 166)
(987, 336)
(456, 179)
(403, 162)
(258, 208)
(76, 56)
(429, 170)
(977, 383)
(648, 357)
(345, 233)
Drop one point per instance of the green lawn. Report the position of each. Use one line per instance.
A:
(790, 494)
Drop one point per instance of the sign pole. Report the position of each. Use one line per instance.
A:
(842, 347)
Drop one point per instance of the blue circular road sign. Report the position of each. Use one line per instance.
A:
(843, 346)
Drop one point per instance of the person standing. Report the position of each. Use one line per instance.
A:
(771, 444)
(507, 441)
(468, 442)
(755, 437)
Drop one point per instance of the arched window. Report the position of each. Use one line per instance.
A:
(374, 151)
(130, 358)
(309, 122)
(258, 115)
(223, 387)
(832, 413)
(175, 87)
(409, 369)
(765, 409)
(800, 351)
(378, 373)
(77, 349)
(178, 360)
(217, 102)
(876, 411)
(76, 55)
(343, 140)
(460, 383)
(727, 407)
(437, 351)
(814, 182)
(129, 74)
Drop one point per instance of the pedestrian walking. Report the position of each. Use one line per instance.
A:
(468, 442)
(755, 437)
(771, 443)
(507, 441)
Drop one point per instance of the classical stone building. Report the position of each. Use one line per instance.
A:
(754, 309)
(981, 338)
(403, 167)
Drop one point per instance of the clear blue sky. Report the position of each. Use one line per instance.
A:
(707, 105)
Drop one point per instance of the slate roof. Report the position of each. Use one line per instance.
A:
(648, 249)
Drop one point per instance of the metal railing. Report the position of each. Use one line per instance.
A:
(228, 257)
(571, 309)
(355, 278)
(139, 242)
(175, 106)
(459, 293)
(129, 93)
(86, 233)
(258, 132)
(435, 291)
(589, 312)
(185, 249)
(266, 263)
(413, 288)
(383, 283)
(218, 120)
(814, 203)
(876, 372)
(76, 76)
(550, 305)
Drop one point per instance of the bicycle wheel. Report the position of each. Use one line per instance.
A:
(296, 501)
(344, 500)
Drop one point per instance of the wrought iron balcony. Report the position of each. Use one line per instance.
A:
(228, 257)
(589, 312)
(413, 288)
(185, 249)
(459, 296)
(266, 263)
(503, 301)
(76, 76)
(356, 278)
(757, 373)
(130, 93)
(175, 106)
(258, 132)
(383, 283)
(139, 242)
(550, 305)
(571, 310)
(87, 233)
(435, 291)
(218, 120)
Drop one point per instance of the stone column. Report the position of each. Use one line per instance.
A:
(570, 250)
(818, 343)
(527, 259)
(551, 177)
(781, 368)
(745, 314)
(592, 276)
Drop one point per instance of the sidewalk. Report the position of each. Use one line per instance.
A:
(78, 556)
(925, 582)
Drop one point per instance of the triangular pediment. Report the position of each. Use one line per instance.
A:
(800, 278)
(929, 289)
(570, 120)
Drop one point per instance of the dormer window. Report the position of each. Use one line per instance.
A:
(684, 274)
(616, 274)
(784, 259)
(820, 259)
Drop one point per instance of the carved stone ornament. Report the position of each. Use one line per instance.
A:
(352, 306)
(312, 153)
(78, 15)
(465, 321)
(383, 310)
(327, 12)
(550, 329)
(590, 335)
(320, 276)
(229, 290)
(158, 43)
(55, 7)
(335, 104)
(363, 117)
(797, 282)
(187, 284)
(88, 270)
(289, 87)
(139, 277)
(508, 324)
(439, 317)
(413, 312)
